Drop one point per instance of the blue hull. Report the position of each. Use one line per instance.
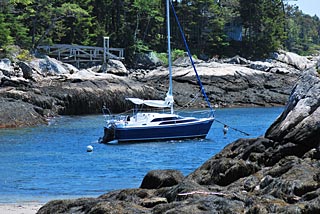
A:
(198, 129)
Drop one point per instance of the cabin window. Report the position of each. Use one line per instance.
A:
(176, 122)
(164, 119)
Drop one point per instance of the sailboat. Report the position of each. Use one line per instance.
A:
(155, 126)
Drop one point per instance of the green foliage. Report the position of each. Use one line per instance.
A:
(5, 37)
(263, 22)
(177, 53)
(12, 31)
(203, 24)
(23, 2)
(163, 57)
(302, 32)
(140, 47)
(140, 25)
(24, 55)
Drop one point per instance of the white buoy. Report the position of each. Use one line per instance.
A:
(89, 148)
(225, 129)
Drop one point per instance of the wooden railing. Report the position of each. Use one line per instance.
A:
(76, 54)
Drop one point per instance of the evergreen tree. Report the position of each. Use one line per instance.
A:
(303, 31)
(263, 22)
(203, 25)
(12, 28)
(5, 37)
(43, 17)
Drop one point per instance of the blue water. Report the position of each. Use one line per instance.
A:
(51, 162)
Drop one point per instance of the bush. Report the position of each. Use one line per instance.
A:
(24, 55)
(175, 54)
(14, 53)
(162, 57)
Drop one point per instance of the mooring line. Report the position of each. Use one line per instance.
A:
(235, 129)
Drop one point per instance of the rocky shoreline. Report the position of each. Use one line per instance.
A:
(276, 173)
(31, 92)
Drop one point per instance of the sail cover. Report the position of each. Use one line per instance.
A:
(153, 103)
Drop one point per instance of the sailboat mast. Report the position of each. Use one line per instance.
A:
(169, 53)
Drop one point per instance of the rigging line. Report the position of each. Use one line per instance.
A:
(189, 102)
(235, 129)
(191, 60)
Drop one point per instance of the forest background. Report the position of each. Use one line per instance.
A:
(214, 28)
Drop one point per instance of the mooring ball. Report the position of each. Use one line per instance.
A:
(89, 148)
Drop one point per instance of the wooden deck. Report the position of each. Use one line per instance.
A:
(77, 54)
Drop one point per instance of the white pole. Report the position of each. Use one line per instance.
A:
(105, 48)
(108, 46)
(169, 53)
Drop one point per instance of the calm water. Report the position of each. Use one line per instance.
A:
(51, 162)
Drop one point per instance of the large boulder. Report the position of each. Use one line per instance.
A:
(156, 179)
(50, 67)
(146, 61)
(28, 72)
(299, 123)
(116, 67)
(15, 113)
(8, 69)
(5, 65)
(300, 62)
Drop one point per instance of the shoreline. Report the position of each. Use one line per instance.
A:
(20, 208)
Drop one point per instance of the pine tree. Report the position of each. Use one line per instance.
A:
(263, 21)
